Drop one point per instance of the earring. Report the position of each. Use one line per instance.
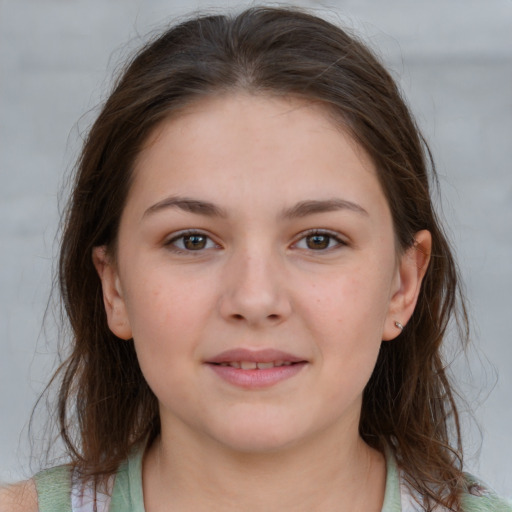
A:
(398, 325)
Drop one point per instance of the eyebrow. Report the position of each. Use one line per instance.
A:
(305, 208)
(187, 204)
(301, 209)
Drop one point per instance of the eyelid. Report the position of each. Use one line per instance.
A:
(334, 235)
(169, 242)
(341, 241)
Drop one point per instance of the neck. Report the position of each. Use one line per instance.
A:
(343, 476)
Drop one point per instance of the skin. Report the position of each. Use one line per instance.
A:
(21, 497)
(257, 283)
(323, 284)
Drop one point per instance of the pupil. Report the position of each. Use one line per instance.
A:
(317, 242)
(195, 242)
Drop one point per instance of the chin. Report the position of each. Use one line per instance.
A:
(258, 437)
(257, 445)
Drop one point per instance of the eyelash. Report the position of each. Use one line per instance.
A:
(172, 243)
(331, 236)
(303, 236)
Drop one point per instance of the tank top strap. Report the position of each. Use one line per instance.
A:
(54, 489)
(392, 497)
(127, 493)
(480, 498)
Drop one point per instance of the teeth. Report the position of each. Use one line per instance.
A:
(263, 366)
(249, 365)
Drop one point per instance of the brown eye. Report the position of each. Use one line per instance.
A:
(319, 241)
(189, 242)
(195, 242)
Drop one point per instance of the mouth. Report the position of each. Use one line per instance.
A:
(262, 359)
(259, 365)
(255, 369)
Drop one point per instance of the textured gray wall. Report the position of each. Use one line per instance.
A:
(454, 60)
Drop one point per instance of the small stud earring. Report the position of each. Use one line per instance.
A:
(398, 325)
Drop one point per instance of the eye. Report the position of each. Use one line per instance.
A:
(319, 241)
(191, 241)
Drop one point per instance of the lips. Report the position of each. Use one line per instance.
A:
(255, 369)
(255, 356)
(260, 365)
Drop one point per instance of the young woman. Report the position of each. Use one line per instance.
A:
(258, 287)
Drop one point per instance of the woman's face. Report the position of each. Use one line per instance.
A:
(257, 273)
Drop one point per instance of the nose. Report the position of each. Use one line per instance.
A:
(254, 290)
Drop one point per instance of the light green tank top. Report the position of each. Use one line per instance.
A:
(54, 488)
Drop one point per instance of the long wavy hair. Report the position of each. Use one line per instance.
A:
(105, 407)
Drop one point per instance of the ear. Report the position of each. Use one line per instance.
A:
(410, 272)
(113, 299)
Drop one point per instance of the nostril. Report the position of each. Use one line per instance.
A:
(272, 317)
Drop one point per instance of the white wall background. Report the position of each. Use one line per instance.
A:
(454, 60)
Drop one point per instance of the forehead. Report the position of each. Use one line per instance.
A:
(242, 114)
(253, 144)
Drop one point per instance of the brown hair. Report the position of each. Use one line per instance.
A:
(105, 405)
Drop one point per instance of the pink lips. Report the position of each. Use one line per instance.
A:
(276, 366)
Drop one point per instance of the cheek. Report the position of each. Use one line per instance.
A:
(346, 319)
(168, 317)
(166, 333)
(353, 301)
(166, 299)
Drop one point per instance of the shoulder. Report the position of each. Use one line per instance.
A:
(480, 498)
(47, 491)
(53, 487)
(21, 497)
